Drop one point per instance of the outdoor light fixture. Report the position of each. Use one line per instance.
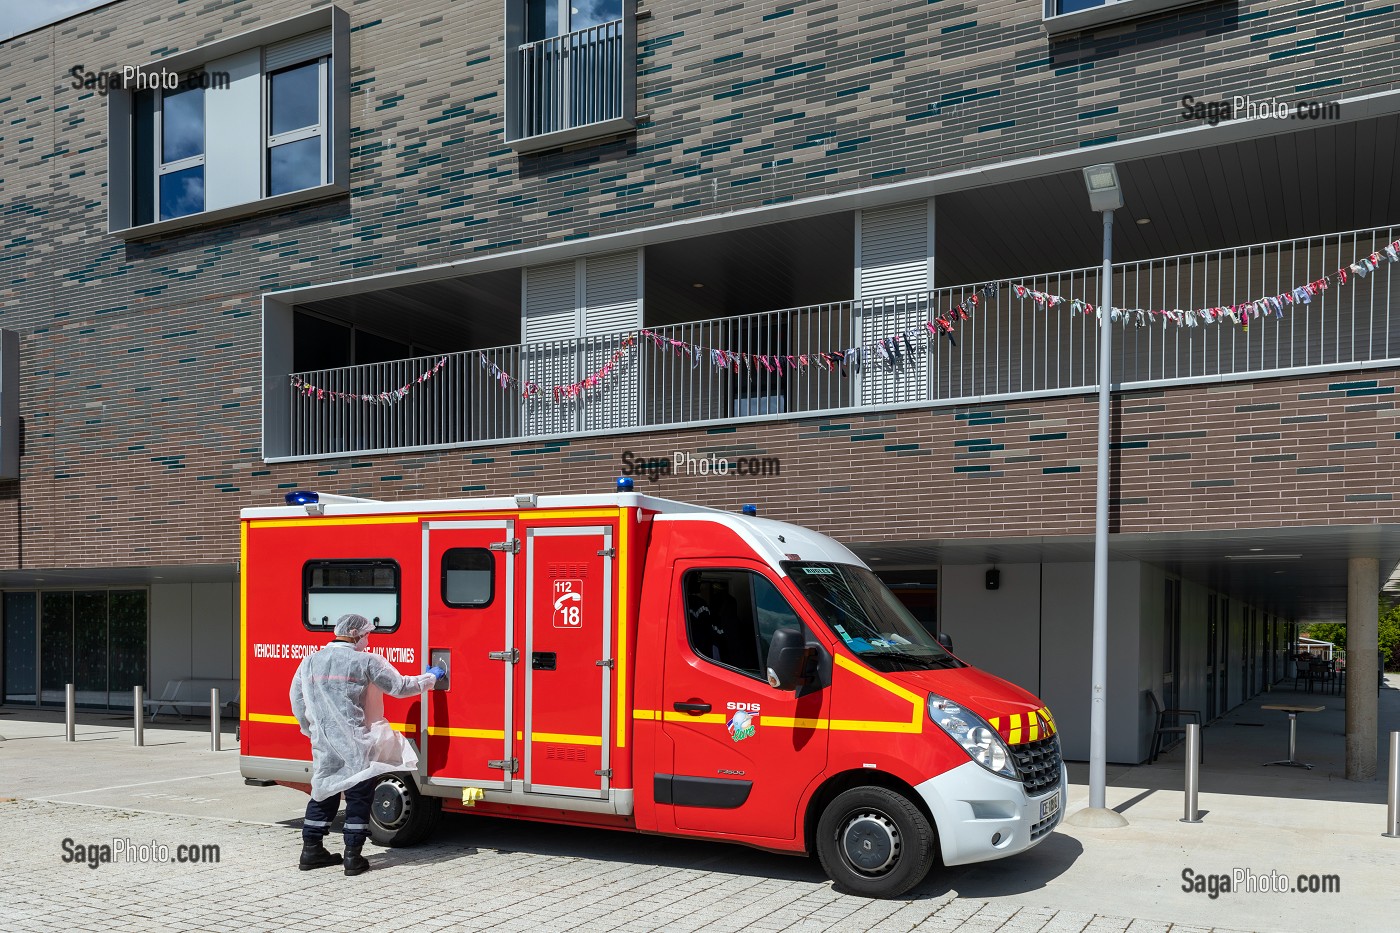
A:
(1105, 194)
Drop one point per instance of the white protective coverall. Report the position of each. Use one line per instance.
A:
(338, 699)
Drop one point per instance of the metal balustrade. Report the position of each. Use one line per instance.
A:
(1008, 347)
(571, 80)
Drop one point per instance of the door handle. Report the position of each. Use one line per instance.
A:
(694, 709)
(441, 657)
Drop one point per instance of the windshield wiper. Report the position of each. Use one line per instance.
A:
(926, 662)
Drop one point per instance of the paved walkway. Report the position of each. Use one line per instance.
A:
(488, 874)
(582, 881)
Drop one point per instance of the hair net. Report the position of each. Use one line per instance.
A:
(353, 626)
(338, 698)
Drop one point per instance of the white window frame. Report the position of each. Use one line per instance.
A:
(162, 167)
(320, 128)
(123, 147)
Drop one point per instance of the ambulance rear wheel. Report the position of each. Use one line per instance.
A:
(874, 842)
(400, 815)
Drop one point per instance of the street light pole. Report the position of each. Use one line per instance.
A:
(1105, 196)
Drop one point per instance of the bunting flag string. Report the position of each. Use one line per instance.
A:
(390, 397)
(890, 352)
(570, 393)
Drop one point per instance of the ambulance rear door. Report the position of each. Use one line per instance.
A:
(469, 612)
(568, 663)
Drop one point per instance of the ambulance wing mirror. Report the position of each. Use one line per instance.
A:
(945, 640)
(788, 656)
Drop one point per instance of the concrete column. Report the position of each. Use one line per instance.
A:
(1363, 656)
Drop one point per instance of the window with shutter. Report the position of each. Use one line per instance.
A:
(895, 275)
(576, 318)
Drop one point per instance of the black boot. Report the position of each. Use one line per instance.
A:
(355, 863)
(314, 855)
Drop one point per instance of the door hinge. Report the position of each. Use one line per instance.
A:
(608, 552)
(606, 772)
(509, 765)
(606, 662)
(510, 545)
(510, 654)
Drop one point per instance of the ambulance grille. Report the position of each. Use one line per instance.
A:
(1039, 764)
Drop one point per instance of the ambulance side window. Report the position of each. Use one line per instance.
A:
(731, 616)
(468, 577)
(333, 588)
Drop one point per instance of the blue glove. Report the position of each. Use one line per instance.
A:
(436, 671)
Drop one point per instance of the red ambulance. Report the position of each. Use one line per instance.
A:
(637, 663)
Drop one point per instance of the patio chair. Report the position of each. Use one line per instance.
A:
(1179, 719)
(1303, 673)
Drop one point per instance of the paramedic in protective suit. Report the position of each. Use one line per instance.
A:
(338, 699)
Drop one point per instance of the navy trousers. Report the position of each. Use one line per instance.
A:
(321, 813)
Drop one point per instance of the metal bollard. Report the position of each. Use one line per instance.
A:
(138, 712)
(214, 719)
(1392, 810)
(1193, 772)
(70, 714)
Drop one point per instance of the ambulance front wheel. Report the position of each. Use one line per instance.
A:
(400, 815)
(875, 842)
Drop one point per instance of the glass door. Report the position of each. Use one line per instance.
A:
(1222, 665)
(1171, 643)
(93, 639)
(21, 647)
(55, 646)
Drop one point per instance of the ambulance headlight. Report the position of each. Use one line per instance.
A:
(981, 742)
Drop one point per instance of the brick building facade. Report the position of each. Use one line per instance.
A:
(154, 358)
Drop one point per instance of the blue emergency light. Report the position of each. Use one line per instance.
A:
(624, 484)
(750, 509)
(302, 497)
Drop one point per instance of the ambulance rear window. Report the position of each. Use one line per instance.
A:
(333, 588)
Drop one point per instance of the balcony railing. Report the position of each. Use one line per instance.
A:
(1007, 347)
(572, 81)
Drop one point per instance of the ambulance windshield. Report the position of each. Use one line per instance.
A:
(868, 617)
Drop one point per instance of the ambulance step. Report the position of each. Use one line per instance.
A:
(509, 765)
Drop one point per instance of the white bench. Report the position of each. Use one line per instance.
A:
(194, 694)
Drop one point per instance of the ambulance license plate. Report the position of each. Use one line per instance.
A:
(1050, 806)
